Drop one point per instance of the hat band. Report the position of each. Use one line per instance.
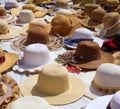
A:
(108, 106)
(2, 59)
(88, 58)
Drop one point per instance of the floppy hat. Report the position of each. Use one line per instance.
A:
(55, 85)
(9, 91)
(87, 55)
(95, 20)
(38, 12)
(33, 101)
(65, 24)
(7, 60)
(106, 102)
(111, 24)
(34, 56)
(102, 82)
(38, 35)
(7, 31)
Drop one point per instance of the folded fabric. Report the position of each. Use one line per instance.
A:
(74, 42)
(112, 45)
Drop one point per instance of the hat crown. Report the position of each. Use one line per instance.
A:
(61, 3)
(82, 33)
(36, 54)
(2, 11)
(38, 35)
(31, 7)
(53, 79)
(110, 19)
(26, 16)
(98, 14)
(87, 49)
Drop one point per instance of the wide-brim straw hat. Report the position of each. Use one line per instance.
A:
(100, 103)
(13, 32)
(69, 96)
(10, 60)
(56, 42)
(12, 91)
(90, 65)
(91, 24)
(37, 14)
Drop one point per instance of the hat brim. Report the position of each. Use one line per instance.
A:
(10, 60)
(56, 42)
(100, 103)
(12, 92)
(13, 32)
(91, 92)
(91, 65)
(75, 92)
(90, 24)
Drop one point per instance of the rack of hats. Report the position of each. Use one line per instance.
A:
(59, 54)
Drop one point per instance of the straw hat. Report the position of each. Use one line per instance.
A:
(102, 82)
(65, 25)
(7, 31)
(105, 102)
(61, 3)
(95, 20)
(37, 2)
(34, 56)
(38, 35)
(111, 22)
(33, 101)
(7, 60)
(55, 85)
(36, 11)
(116, 57)
(9, 91)
(87, 55)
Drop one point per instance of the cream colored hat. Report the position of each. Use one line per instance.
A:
(116, 57)
(7, 31)
(55, 85)
(7, 60)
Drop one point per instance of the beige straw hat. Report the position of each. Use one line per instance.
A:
(7, 60)
(55, 85)
(9, 91)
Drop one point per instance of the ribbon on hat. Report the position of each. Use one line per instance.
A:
(103, 31)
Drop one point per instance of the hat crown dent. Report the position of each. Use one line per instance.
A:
(107, 75)
(115, 101)
(111, 19)
(87, 48)
(98, 14)
(82, 33)
(53, 80)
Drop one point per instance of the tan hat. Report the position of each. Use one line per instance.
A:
(7, 60)
(61, 3)
(111, 22)
(116, 57)
(9, 91)
(87, 56)
(95, 20)
(38, 35)
(7, 31)
(37, 2)
(36, 11)
(65, 25)
(55, 85)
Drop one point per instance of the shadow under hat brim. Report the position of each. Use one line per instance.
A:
(10, 60)
(92, 65)
(73, 94)
(12, 93)
(91, 24)
(100, 103)
(56, 42)
(13, 32)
